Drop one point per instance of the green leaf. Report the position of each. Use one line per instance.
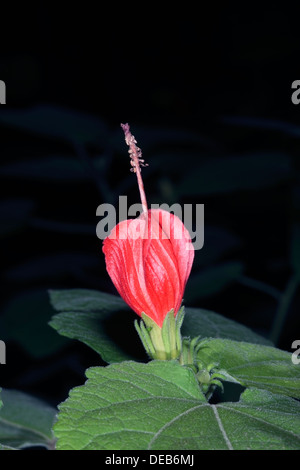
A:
(212, 280)
(106, 324)
(110, 336)
(101, 321)
(6, 447)
(254, 365)
(57, 122)
(25, 421)
(159, 406)
(24, 320)
(123, 405)
(259, 421)
(228, 174)
(204, 323)
(85, 300)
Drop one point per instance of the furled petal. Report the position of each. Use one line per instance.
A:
(149, 260)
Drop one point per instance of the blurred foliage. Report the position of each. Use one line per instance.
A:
(25, 321)
(25, 421)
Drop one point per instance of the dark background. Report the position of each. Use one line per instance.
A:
(208, 98)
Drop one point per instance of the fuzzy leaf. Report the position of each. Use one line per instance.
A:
(91, 317)
(204, 323)
(254, 365)
(159, 406)
(24, 320)
(25, 421)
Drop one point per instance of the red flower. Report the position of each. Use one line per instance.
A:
(149, 260)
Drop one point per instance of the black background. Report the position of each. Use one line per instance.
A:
(169, 68)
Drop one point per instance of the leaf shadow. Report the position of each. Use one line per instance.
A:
(231, 393)
(119, 329)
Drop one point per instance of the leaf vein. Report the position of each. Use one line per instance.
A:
(221, 427)
(169, 423)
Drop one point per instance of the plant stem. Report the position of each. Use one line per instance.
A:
(261, 286)
(283, 307)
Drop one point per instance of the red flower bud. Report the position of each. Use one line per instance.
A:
(149, 260)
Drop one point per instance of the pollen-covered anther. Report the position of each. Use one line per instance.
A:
(132, 163)
(136, 162)
(136, 155)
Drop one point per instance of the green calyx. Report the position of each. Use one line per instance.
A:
(163, 343)
(166, 343)
(190, 348)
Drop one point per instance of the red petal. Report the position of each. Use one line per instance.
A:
(148, 269)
